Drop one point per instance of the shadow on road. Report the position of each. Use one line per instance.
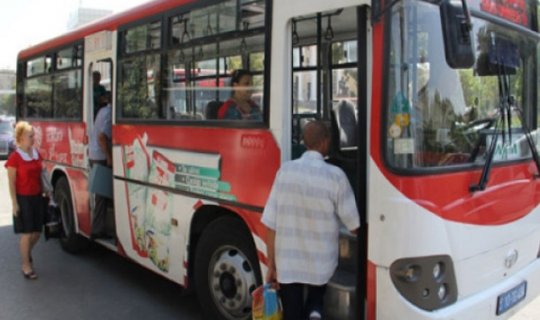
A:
(97, 284)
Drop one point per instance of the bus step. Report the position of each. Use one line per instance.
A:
(340, 300)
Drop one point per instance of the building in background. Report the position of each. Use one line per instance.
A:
(7, 92)
(82, 16)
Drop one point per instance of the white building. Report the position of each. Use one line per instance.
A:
(82, 16)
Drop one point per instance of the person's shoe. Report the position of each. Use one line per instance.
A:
(29, 275)
(315, 315)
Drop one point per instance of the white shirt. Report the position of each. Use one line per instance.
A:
(103, 124)
(308, 199)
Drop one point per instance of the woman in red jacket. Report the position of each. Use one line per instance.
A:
(24, 176)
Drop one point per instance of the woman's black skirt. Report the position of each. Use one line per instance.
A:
(31, 215)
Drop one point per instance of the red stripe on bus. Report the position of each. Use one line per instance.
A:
(371, 291)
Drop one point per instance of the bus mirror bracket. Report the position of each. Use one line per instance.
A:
(457, 33)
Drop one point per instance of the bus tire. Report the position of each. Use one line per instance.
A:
(226, 270)
(71, 241)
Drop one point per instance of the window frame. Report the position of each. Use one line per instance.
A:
(53, 53)
(385, 101)
(167, 47)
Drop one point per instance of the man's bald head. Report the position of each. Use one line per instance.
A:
(316, 136)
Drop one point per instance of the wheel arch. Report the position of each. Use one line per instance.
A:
(57, 174)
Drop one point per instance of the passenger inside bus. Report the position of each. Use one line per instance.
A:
(99, 90)
(100, 152)
(240, 106)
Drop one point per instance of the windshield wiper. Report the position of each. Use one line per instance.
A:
(506, 103)
(484, 178)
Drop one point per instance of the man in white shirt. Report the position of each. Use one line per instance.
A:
(308, 200)
(100, 153)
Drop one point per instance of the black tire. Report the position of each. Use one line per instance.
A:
(226, 270)
(71, 241)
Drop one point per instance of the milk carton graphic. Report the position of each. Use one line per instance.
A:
(136, 166)
(158, 228)
(157, 173)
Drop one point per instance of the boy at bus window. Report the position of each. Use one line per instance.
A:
(308, 200)
(240, 106)
(100, 153)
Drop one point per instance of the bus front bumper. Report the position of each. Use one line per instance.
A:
(482, 305)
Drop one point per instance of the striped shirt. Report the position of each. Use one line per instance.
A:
(308, 199)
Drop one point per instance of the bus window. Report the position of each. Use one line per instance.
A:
(70, 57)
(38, 97)
(68, 94)
(54, 91)
(198, 78)
(345, 94)
(325, 77)
(35, 67)
(140, 72)
(137, 91)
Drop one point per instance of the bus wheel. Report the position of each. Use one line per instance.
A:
(226, 270)
(71, 241)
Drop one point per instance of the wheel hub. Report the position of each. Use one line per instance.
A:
(232, 279)
(228, 286)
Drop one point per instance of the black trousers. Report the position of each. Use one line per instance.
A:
(295, 307)
(99, 217)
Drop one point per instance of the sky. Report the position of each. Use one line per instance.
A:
(24, 23)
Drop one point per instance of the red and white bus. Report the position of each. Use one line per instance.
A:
(433, 109)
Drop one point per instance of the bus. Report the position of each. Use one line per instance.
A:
(433, 108)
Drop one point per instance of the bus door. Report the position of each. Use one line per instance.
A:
(330, 83)
(99, 70)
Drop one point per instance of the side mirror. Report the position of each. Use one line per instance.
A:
(456, 28)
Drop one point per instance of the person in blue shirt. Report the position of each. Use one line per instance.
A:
(100, 152)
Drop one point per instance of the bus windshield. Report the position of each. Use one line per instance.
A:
(437, 116)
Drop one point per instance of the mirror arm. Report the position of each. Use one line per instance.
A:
(467, 24)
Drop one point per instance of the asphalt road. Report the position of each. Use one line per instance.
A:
(95, 285)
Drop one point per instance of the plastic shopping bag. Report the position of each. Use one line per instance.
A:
(266, 304)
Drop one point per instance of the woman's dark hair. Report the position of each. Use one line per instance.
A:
(236, 75)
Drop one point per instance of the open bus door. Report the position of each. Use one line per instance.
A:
(99, 71)
(329, 78)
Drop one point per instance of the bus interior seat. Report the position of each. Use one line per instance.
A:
(211, 110)
(344, 118)
(344, 140)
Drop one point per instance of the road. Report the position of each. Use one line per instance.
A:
(95, 285)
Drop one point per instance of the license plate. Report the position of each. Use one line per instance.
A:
(511, 297)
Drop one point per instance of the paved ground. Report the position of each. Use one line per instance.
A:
(94, 285)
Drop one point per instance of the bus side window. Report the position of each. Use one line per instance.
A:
(198, 75)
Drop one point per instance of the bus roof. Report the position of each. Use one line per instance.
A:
(108, 23)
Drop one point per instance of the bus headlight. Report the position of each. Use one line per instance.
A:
(427, 282)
